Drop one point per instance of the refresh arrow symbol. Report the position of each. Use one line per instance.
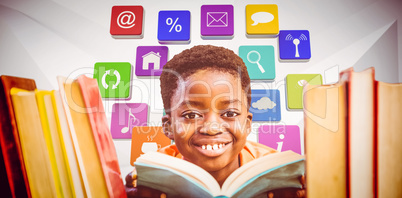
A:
(117, 74)
(104, 84)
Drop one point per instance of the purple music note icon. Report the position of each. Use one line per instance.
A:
(125, 116)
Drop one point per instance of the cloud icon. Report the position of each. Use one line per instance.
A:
(263, 104)
(261, 17)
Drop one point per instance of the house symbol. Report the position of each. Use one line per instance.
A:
(151, 58)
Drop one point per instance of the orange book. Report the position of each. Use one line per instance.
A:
(325, 113)
(9, 138)
(389, 140)
(102, 136)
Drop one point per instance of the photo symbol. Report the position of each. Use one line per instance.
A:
(296, 42)
(169, 22)
(255, 60)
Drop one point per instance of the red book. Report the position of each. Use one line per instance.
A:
(102, 136)
(9, 138)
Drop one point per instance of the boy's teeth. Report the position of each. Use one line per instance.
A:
(212, 147)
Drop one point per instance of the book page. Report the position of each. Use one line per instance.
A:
(192, 171)
(259, 167)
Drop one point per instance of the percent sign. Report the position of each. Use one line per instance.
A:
(169, 21)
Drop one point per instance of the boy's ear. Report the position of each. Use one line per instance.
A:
(167, 126)
(249, 122)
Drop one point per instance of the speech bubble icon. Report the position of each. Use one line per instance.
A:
(261, 17)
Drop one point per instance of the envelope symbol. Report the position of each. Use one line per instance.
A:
(217, 19)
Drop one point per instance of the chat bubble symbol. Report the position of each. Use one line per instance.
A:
(261, 17)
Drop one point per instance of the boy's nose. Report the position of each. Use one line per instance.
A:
(211, 128)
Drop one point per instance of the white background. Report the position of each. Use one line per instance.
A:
(42, 39)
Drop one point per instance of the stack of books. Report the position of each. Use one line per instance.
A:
(353, 137)
(56, 143)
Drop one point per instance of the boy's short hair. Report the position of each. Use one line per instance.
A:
(197, 58)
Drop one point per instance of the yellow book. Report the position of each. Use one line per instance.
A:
(83, 140)
(73, 171)
(33, 144)
(325, 140)
(50, 131)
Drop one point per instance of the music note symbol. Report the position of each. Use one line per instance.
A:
(131, 118)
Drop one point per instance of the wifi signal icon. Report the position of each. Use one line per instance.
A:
(294, 44)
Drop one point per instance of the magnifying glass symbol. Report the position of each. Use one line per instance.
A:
(256, 61)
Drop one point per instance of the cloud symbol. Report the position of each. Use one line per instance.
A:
(263, 104)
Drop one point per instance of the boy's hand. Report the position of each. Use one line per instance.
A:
(133, 191)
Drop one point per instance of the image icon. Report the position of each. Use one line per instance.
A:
(217, 21)
(260, 61)
(114, 79)
(294, 44)
(150, 60)
(127, 22)
(294, 88)
(262, 20)
(280, 137)
(265, 105)
(174, 26)
(125, 116)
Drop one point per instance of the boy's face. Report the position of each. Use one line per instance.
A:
(209, 120)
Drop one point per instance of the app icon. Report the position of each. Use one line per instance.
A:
(265, 105)
(262, 20)
(294, 44)
(150, 60)
(280, 137)
(125, 116)
(114, 79)
(174, 26)
(126, 22)
(217, 21)
(294, 88)
(260, 61)
(146, 139)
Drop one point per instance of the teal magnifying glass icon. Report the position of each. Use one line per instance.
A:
(256, 59)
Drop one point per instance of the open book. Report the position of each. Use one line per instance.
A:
(179, 178)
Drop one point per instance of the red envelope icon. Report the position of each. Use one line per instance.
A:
(217, 19)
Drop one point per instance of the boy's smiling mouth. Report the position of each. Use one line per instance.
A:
(211, 147)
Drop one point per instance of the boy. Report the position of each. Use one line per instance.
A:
(206, 94)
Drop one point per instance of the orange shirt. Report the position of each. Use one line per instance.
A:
(251, 151)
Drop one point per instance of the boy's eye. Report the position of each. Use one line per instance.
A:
(230, 114)
(191, 115)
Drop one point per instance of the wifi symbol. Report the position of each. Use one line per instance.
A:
(303, 37)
